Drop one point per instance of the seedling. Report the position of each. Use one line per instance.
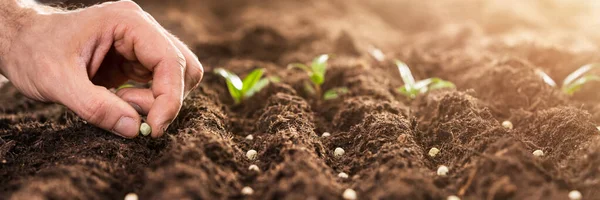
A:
(349, 194)
(240, 90)
(442, 170)
(251, 154)
(316, 73)
(433, 152)
(338, 152)
(507, 125)
(538, 153)
(412, 88)
(574, 81)
(145, 129)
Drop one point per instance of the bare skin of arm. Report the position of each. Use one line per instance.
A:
(71, 57)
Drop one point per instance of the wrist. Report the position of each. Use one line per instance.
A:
(14, 15)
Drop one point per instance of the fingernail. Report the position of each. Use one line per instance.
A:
(126, 127)
(136, 107)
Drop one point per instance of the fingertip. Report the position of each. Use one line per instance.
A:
(127, 127)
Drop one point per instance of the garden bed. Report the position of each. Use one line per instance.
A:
(46, 151)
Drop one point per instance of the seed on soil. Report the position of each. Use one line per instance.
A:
(338, 152)
(433, 152)
(575, 195)
(145, 129)
(249, 137)
(343, 175)
(538, 153)
(251, 155)
(254, 168)
(3, 161)
(349, 194)
(507, 124)
(247, 191)
(452, 197)
(131, 196)
(598, 127)
(326, 134)
(442, 170)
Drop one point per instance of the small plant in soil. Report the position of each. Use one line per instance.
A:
(243, 89)
(574, 81)
(412, 88)
(316, 73)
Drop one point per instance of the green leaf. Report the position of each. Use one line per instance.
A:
(319, 65)
(257, 87)
(410, 93)
(406, 74)
(230, 77)
(334, 93)
(317, 79)
(274, 79)
(438, 83)
(234, 84)
(545, 77)
(251, 80)
(126, 85)
(309, 88)
(577, 84)
(578, 73)
(300, 66)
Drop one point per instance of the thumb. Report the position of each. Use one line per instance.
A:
(100, 107)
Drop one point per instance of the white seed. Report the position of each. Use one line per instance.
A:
(507, 124)
(145, 129)
(3, 161)
(433, 152)
(338, 152)
(343, 175)
(247, 191)
(349, 194)
(598, 127)
(251, 155)
(442, 170)
(254, 168)
(249, 137)
(452, 197)
(326, 134)
(131, 196)
(575, 195)
(538, 153)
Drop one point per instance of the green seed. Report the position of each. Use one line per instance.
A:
(145, 129)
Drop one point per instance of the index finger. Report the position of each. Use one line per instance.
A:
(144, 41)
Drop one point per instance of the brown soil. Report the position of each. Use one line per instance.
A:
(489, 49)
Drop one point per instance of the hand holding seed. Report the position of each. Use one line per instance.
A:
(114, 42)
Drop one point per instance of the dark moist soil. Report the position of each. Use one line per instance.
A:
(488, 49)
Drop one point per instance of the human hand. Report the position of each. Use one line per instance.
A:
(72, 57)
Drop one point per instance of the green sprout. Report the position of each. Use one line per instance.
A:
(412, 88)
(240, 90)
(574, 81)
(316, 73)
